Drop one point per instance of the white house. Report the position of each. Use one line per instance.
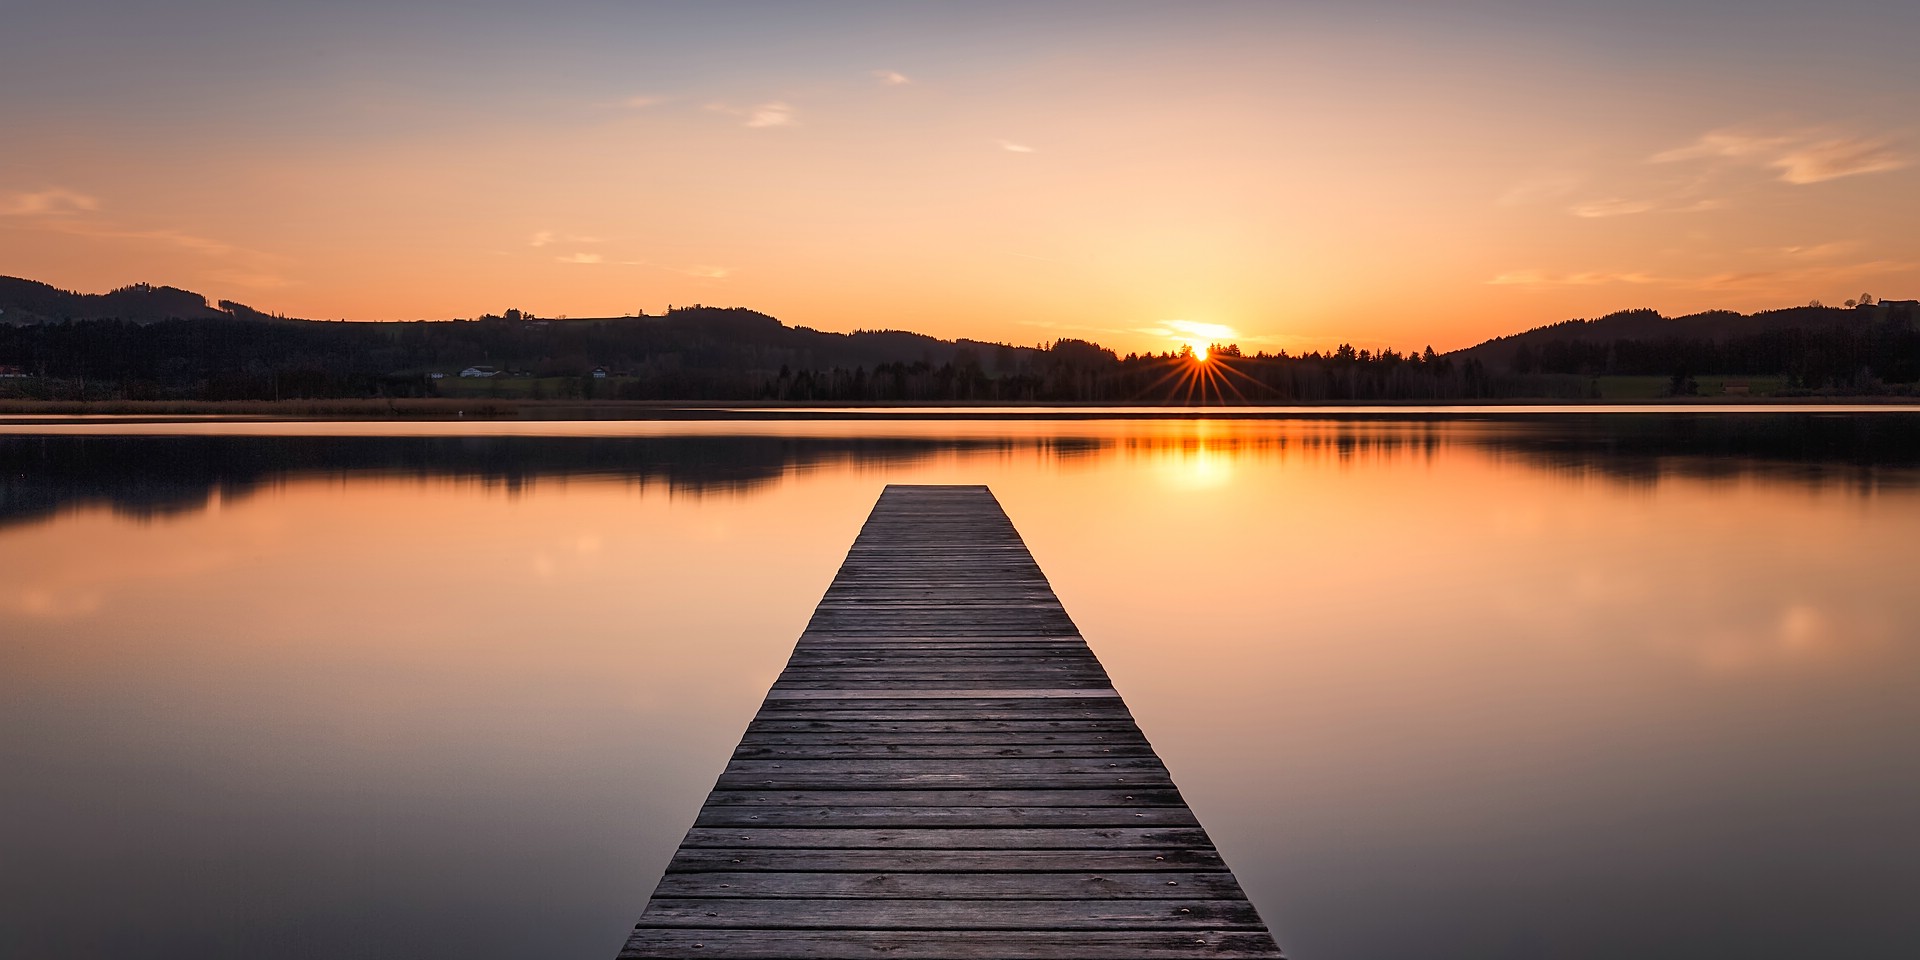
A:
(479, 372)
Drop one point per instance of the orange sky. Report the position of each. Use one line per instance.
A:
(1298, 174)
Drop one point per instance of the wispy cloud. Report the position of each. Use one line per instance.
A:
(1703, 205)
(1058, 327)
(240, 266)
(75, 214)
(251, 279)
(1800, 158)
(1675, 202)
(547, 238)
(51, 202)
(701, 271)
(641, 101)
(773, 113)
(166, 237)
(1802, 276)
(1792, 269)
(1723, 144)
(1793, 156)
(1612, 207)
(1819, 251)
(583, 258)
(1833, 159)
(1560, 185)
(891, 78)
(1539, 278)
(1011, 147)
(1541, 188)
(1190, 331)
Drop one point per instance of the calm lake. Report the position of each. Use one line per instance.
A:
(1501, 686)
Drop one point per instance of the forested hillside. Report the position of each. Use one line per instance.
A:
(145, 342)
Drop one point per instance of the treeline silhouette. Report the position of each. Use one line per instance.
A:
(161, 343)
(1859, 349)
(1076, 371)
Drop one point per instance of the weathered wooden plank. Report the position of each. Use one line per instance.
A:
(903, 668)
(1017, 738)
(1083, 885)
(1081, 729)
(808, 710)
(1099, 796)
(988, 703)
(791, 780)
(944, 771)
(946, 914)
(949, 838)
(950, 751)
(968, 766)
(1000, 648)
(956, 687)
(821, 815)
(948, 945)
(765, 726)
(907, 697)
(978, 645)
(935, 707)
(904, 660)
(908, 676)
(1153, 859)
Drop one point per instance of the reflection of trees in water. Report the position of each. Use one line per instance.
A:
(1870, 449)
(1862, 450)
(154, 476)
(157, 476)
(1315, 439)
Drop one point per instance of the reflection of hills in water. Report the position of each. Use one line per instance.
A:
(150, 476)
(1865, 451)
(1871, 449)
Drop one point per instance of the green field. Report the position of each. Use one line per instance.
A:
(529, 388)
(1655, 388)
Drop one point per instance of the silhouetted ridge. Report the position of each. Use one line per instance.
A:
(146, 342)
(1711, 327)
(29, 301)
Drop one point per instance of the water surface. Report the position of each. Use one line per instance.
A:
(1509, 686)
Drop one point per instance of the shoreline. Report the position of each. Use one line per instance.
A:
(20, 412)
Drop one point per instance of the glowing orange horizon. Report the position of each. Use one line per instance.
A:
(1048, 184)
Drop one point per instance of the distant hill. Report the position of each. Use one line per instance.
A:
(606, 340)
(1713, 326)
(146, 342)
(29, 301)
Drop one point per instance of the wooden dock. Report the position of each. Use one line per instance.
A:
(945, 771)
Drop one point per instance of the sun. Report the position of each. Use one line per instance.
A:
(1201, 371)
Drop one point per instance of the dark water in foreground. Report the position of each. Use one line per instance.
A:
(1561, 686)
